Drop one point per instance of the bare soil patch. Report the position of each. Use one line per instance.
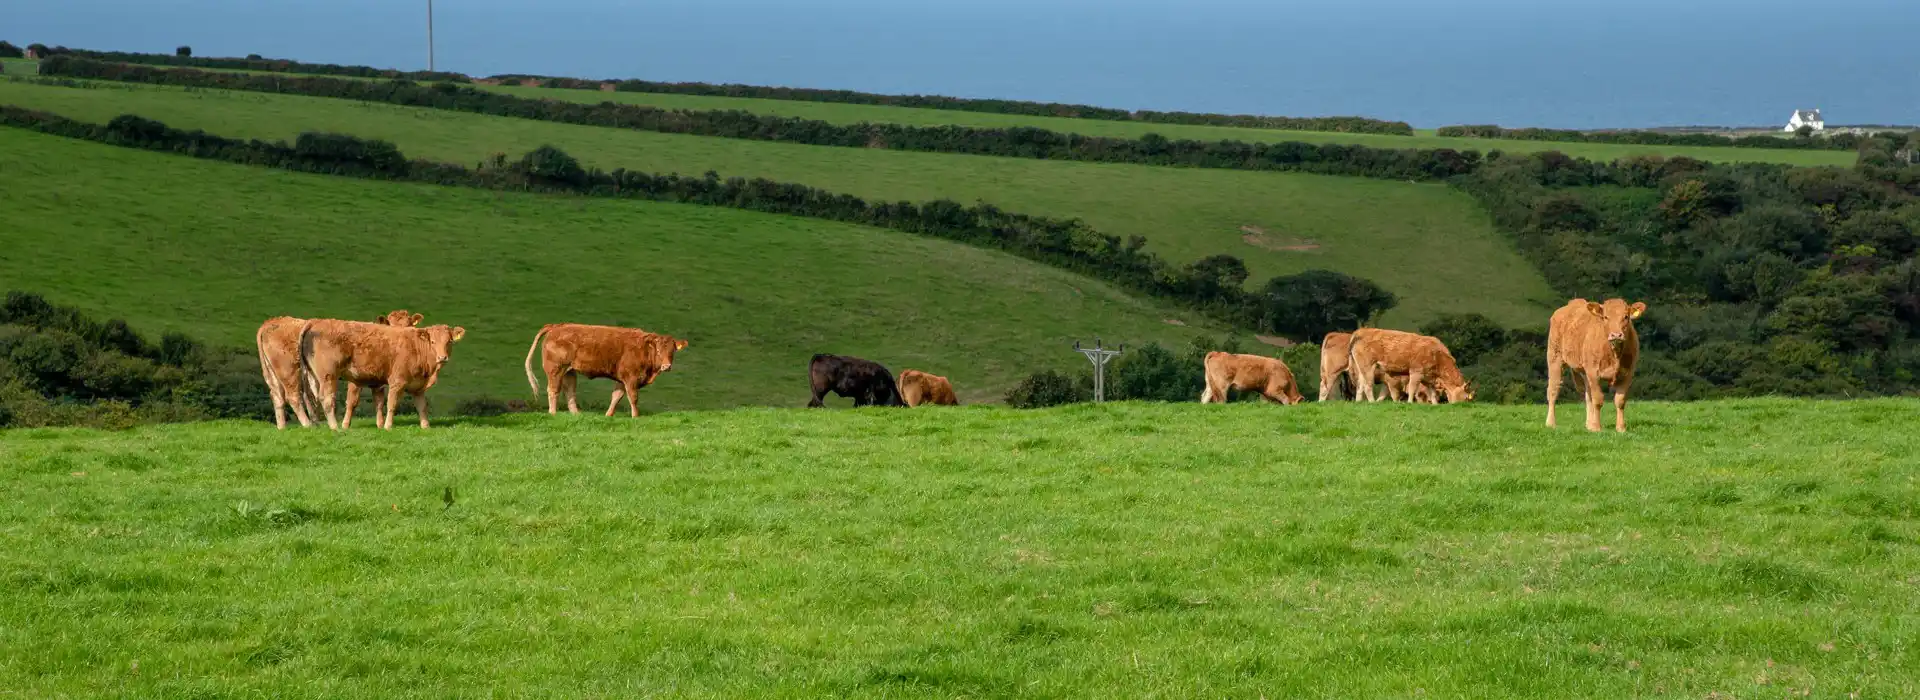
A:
(1259, 238)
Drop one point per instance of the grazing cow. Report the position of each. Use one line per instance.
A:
(865, 381)
(631, 357)
(1421, 358)
(1598, 342)
(278, 341)
(400, 360)
(1267, 376)
(917, 387)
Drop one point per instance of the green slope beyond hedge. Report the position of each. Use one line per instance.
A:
(1429, 245)
(212, 250)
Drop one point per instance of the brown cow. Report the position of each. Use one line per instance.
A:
(1422, 358)
(1598, 342)
(1268, 376)
(917, 387)
(401, 360)
(629, 356)
(278, 341)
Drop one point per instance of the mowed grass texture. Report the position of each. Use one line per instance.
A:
(1427, 243)
(852, 113)
(1753, 549)
(171, 243)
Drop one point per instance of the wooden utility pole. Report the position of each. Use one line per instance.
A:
(430, 35)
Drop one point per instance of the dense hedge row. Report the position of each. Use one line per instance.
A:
(1836, 142)
(1356, 125)
(264, 65)
(1152, 149)
(59, 367)
(1214, 286)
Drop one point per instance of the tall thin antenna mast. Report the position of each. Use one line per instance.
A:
(429, 35)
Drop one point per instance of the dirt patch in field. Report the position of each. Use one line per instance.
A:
(1275, 341)
(1173, 322)
(1259, 238)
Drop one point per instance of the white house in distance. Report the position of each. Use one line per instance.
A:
(1807, 118)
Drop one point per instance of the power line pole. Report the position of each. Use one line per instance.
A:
(1100, 356)
(429, 35)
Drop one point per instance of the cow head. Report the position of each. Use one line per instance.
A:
(1461, 393)
(1617, 316)
(399, 318)
(441, 339)
(664, 348)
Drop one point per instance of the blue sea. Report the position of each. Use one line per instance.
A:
(1550, 63)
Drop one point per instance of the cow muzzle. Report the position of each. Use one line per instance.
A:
(1616, 338)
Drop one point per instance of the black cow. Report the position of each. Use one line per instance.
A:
(864, 381)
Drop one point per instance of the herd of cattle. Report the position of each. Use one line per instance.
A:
(303, 361)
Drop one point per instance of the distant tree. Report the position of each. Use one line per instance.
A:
(254, 57)
(183, 52)
(8, 50)
(38, 49)
(1316, 302)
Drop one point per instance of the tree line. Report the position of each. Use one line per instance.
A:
(1348, 124)
(183, 57)
(1836, 142)
(1303, 304)
(1018, 142)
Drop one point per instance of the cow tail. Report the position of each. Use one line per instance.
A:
(533, 380)
(310, 380)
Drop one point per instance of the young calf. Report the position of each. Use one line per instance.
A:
(1268, 376)
(402, 360)
(865, 381)
(1598, 342)
(917, 387)
(1422, 358)
(629, 356)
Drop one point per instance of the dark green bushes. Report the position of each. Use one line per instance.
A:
(59, 367)
(1836, 142)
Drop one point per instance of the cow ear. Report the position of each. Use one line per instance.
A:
(1596, 309)
(679, 345)
(1639, 307)
(416, 319)
(458, 333)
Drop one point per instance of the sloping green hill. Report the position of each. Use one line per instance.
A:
(853, 113)
(178, 244)
(1427, 243)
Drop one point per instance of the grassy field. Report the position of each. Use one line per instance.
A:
(848, 114)
(1754, 549)
(1429, 244)
(19, 66)
(171, 243)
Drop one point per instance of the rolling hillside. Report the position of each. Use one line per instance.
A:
(1425, 242)
(852, 113)
(171, 243)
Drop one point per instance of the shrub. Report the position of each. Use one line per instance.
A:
(184, 52)
(1049, 388)
(1468, 336)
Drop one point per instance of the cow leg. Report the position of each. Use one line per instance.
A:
(572, 386)
(302, 404)
(420, 403)
(279, 396)
(633, 389)
(1594, 398)
(328, 389)
(818, 394)
(1620, 402)
(353, 406)
(393, 404)
(619, 390)
(556, 382)
(1414, 380)
(1554, 371)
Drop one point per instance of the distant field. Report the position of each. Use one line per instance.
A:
(1749, 549)
(846, 114)
(1429, 244)
(19, 66)
(171, 243)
